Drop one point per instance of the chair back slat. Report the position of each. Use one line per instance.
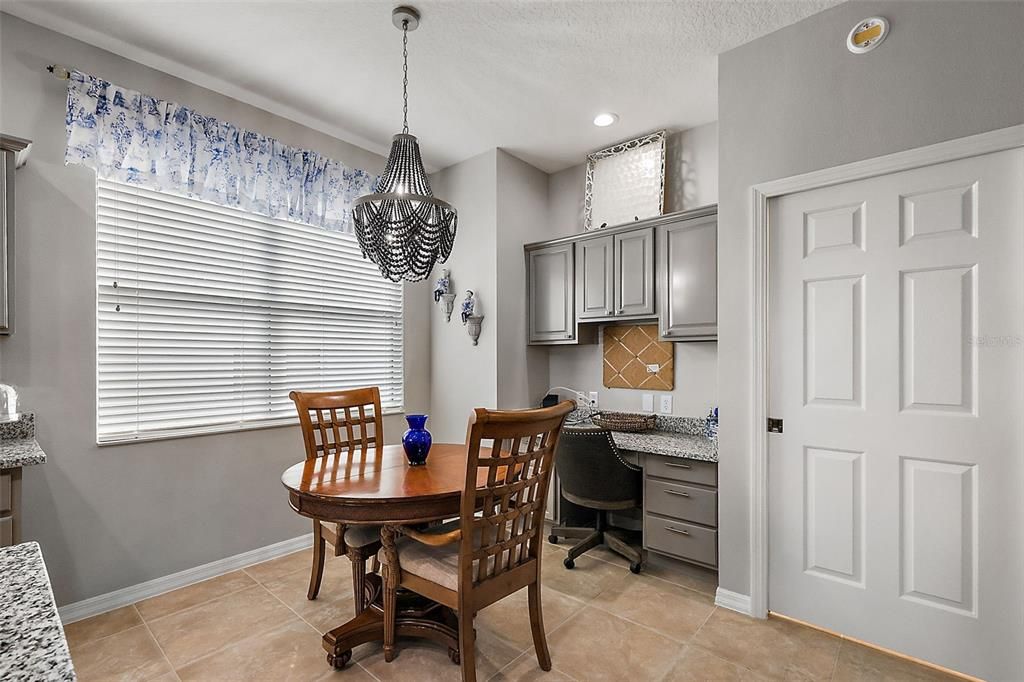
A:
(503, 517)
(325, 431)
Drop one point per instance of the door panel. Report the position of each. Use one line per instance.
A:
(634, 272)
(938, 548)
(896, 317)
(834, 514)
(937, 322)
(595, 276)
(834, 327)
(551, 285)
(688, 279)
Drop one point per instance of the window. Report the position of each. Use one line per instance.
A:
(208, 316)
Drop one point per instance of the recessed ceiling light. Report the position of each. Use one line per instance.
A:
(605, 119)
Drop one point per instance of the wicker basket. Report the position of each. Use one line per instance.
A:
(624, 421)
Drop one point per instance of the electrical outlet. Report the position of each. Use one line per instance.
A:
(665, 403)
(593, 399)
(653, 368)
(647, 402)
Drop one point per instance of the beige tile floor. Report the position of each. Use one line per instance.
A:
(603, 623)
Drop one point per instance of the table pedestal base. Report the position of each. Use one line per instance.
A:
(417, 617)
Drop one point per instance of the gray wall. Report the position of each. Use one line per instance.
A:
(116, 516)
(797, 101)
(502, 203)
(696, 377)
(464, 376)
(691, 180)
(521, 218)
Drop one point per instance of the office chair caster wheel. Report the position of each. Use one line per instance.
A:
(569, 563)
(553, 539)
(635, 567)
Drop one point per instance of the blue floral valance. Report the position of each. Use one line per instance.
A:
(131, 137)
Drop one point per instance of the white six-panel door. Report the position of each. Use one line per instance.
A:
(895, 346)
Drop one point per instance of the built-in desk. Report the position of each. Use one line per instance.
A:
(18, 448)
(680, 507)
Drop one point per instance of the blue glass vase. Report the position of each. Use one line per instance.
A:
(416, 440)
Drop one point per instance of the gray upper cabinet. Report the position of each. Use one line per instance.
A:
(634, 273)
(688, 279)
(595, 278)
(615, 276)
(664, 267)
(550, 294)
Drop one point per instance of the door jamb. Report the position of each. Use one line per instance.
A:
(974, 145)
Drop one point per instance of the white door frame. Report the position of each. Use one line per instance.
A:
(974, 145)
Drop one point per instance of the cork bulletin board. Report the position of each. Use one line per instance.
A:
(630, 353)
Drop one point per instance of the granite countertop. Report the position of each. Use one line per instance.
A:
(669, 443)
(20, 452)
(672, 436)
(18, 446)
(32, 643)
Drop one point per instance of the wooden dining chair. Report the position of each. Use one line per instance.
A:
(336, 422)
(494, 548)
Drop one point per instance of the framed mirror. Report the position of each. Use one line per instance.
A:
(13, 151)
(625, 182)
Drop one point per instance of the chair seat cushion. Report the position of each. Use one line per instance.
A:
(361, 536)
(437, 564)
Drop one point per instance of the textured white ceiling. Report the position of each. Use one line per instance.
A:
(527, 76)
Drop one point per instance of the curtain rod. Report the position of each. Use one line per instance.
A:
(59, 71)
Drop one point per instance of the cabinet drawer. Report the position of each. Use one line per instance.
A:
(6, 531)
(5, 492)
(680, 469)
(683, 502)
(681, 539)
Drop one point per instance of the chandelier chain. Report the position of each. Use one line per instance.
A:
(405, 76)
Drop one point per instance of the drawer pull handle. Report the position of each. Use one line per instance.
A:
(678, 466)
(680, 493)
(677, 530)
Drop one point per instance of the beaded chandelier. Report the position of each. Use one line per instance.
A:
(402, 227)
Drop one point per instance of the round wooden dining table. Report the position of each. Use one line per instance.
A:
(376, 485)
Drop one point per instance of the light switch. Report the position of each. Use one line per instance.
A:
(593, 399)
(647, 402)
(666, 404)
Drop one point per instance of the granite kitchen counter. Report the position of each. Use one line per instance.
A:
(672, 437)
(19, 452)
(18, 446)
(32, 643)
(668, 443)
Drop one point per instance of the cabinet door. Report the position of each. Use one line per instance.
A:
(688, 279)
(634, 272)
(550, 303)
(595, 275)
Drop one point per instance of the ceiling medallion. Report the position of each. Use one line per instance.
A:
(402, 227)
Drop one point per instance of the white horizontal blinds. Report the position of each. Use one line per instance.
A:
(208, 316)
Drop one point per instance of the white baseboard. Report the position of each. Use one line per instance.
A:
(93, 606)
(734, 601)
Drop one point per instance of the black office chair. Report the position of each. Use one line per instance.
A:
(594, 475)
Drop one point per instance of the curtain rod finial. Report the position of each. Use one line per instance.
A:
(59, 71)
